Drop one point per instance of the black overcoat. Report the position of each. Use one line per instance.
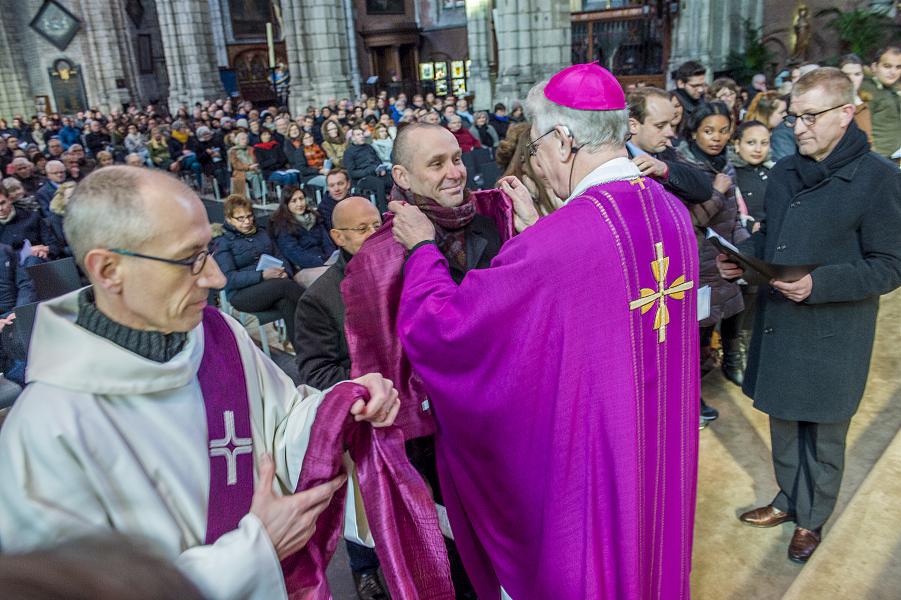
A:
(809, 361)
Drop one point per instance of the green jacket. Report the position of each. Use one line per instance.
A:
(885, 106)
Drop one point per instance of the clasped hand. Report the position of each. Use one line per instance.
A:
(290, 521)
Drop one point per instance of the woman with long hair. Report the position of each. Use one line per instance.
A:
(513, 156)
(334, 142)
(768, 108)
(708, 132)
(301, 235)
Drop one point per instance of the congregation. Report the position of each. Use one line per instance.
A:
(371, 227)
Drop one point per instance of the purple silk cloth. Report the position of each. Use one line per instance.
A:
(371, 290)
(567, 426)
(400, 508)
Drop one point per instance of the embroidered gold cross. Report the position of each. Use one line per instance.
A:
(637, 181)
(649, 297)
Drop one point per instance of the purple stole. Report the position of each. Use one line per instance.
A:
(402, 515)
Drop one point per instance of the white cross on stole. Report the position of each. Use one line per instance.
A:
(230, 447)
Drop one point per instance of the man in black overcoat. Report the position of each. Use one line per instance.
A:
(835, 204)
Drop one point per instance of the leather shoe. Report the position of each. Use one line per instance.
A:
(766, 516)
(369, 586)
(803, 543)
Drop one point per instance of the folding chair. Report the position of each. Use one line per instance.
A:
(263, 319)
(54, 278)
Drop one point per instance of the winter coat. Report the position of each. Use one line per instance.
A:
(486, 134)
(360, 160)
(237, 255)
(751, 183)
(297, 159)
(885, 115)
(270, 157)
(719, 213)
(16, 287)
(304, 249)
(27, 225)
(467, 141)
(808, 361)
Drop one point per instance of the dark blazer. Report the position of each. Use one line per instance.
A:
(238, 254)
(686, 182)
(28, 225)
(809, 361)
(322, 355)
(483, 242)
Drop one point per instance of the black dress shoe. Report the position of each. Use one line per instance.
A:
(369, 586)
(708, 413)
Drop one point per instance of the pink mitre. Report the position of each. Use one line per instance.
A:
(586, 87)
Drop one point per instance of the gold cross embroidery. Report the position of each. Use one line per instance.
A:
(637, 181)
(649, 297)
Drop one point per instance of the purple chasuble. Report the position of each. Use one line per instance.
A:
(564, 385)
(400, 508)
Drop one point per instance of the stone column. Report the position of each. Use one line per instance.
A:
(190, 54)
(109, 63)
(479, 35)
(318, 57)
(706, 30)
(15, 95)
(534, 41)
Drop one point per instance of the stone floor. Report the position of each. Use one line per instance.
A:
(732, 561)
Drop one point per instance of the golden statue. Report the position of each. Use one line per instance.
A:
(801, 32)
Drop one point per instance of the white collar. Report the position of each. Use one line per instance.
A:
(617, 169)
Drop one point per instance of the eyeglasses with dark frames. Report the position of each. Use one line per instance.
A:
(361, 228)
(808, 118)
(195, 262)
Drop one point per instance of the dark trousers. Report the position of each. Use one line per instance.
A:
(272, 294)
(809, 459)
(362, 558)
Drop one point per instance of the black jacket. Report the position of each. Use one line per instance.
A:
(684, 180)
(16, 287)
(751, 182)
(303, 248)
(323, 358)
(483, 242)
(270, 159)
(27, 225)
(238, 254)
(360, 160)
(809, 361)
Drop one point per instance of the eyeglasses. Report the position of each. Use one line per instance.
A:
(361, 228)
(808, 118)
(195, 262)
(532, 146)
(243, 218)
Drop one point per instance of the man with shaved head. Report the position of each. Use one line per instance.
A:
(322, 355)
(151, 414)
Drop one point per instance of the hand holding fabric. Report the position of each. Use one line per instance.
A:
(290, 521)
(383, 405)
(524, 212)
(411, 226)
(722, 183)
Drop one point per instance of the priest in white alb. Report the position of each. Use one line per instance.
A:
(148, 413)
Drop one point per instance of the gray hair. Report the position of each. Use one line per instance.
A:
(592, 129)
(11, 183)
(107, 211)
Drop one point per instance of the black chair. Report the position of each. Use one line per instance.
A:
(472, 169)
(490, 174)
(55, 278)
(24, 323)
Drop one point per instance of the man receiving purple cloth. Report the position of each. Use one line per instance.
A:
(563, 378)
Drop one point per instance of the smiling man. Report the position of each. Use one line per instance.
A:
(150, 414)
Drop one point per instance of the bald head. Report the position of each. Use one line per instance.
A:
(354, 220)
(405, 144)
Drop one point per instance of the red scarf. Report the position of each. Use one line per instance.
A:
(266, 145)
(449, 221)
